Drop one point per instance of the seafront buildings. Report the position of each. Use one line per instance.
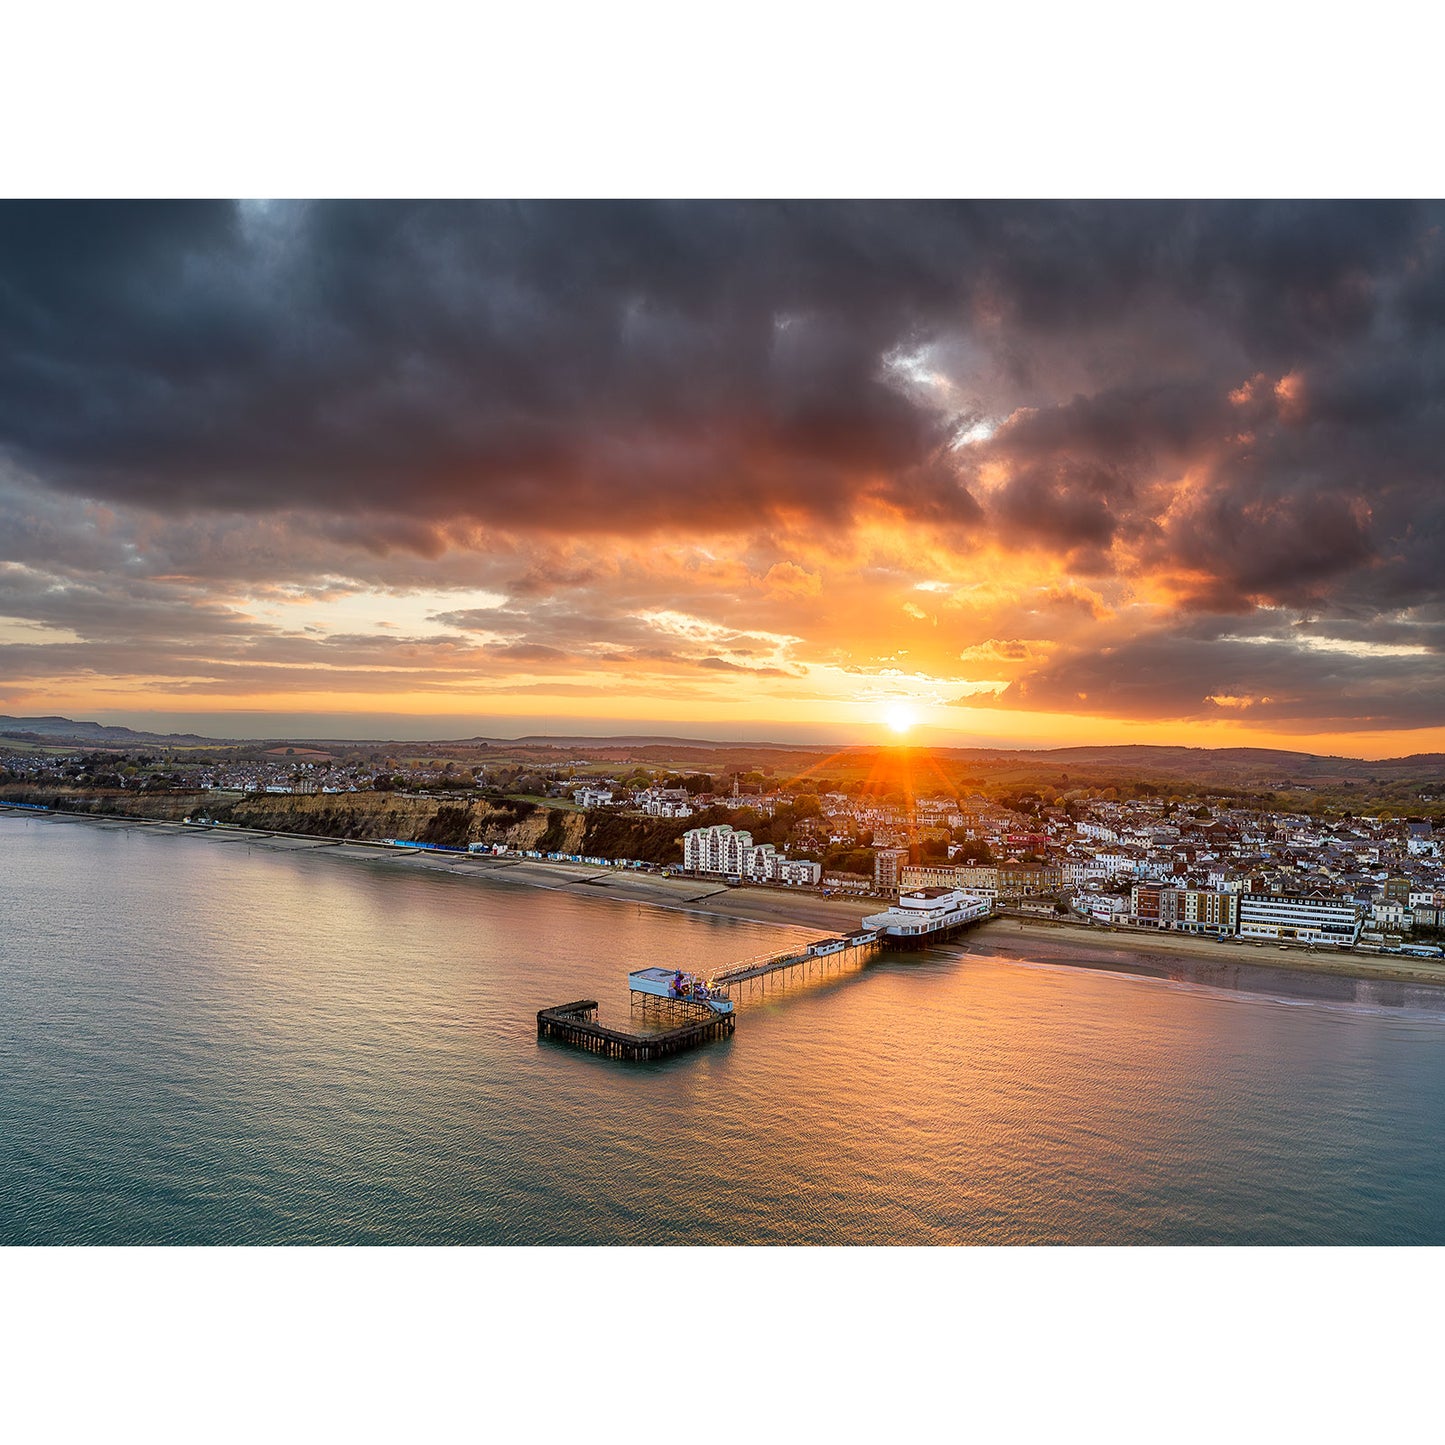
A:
(724, 850)
(1314, 919)
(1202, 866)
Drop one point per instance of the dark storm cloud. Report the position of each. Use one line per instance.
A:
(1227, 406)
(631, 365)
(598, 366)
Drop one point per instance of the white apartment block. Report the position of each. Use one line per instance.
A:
(800, 872)
(719, 849)
(1285, 916)
(724, 849)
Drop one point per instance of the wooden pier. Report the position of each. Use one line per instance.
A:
(797, 965)
(694, 1022)
(576, 1024)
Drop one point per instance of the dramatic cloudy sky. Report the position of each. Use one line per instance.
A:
(1046, 473)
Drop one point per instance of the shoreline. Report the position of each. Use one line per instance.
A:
(1177, 957)
(692, 895)
(1180, 958)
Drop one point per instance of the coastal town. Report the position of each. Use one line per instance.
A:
(1188, 862)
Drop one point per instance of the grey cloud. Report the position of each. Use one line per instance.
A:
(200, 401)
(1209, 673)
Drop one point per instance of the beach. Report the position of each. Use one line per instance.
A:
(1042, 940)
(1236, 964)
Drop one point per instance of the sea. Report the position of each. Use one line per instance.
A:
(205, 1040)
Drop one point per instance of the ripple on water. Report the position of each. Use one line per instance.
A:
(207, 1043)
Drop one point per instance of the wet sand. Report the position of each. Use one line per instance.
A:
(1296, 971)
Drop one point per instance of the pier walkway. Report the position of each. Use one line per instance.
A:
(770, 968)
(703, 1010)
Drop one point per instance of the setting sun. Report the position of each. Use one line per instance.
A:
(899, 717)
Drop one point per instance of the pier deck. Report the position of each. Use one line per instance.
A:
(576, 1024)
(762, 972)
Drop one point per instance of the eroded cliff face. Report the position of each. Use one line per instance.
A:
(363, 816)
(105, 801)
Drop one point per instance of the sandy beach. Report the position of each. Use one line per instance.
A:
(1202, 960)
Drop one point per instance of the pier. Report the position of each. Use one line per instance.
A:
(700, 1019)
(797, 965)
(576, 1024)
(702, 1010)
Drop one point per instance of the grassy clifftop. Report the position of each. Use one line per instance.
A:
(361, 816)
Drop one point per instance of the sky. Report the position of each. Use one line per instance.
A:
(1003, 473)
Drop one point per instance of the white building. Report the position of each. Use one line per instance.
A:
(800, 872)
(719, 849)
(724, 849)
(664, 803)
(592, 797)
(1120, 865)
(1283, 916)
(1391, 915)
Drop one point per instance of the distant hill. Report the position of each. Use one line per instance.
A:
(67, 729)
(1269, 769)
(626, 740)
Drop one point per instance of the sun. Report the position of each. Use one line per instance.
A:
(899, 717)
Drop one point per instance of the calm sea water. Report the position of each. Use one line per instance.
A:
(208, 1042)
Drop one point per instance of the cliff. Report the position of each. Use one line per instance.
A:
(368, 816)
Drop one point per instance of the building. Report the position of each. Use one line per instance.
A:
(923, 915)
(976, 879)
(798, 872)
(1391, 915)
(719, 849)
(664, 803)
(726, 850)
(1199, 910)
(1146, 904)
(928, 875)
(1027, 880)
(889, 870)
(1183, 910)
(1312, 918)
(592, 797)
